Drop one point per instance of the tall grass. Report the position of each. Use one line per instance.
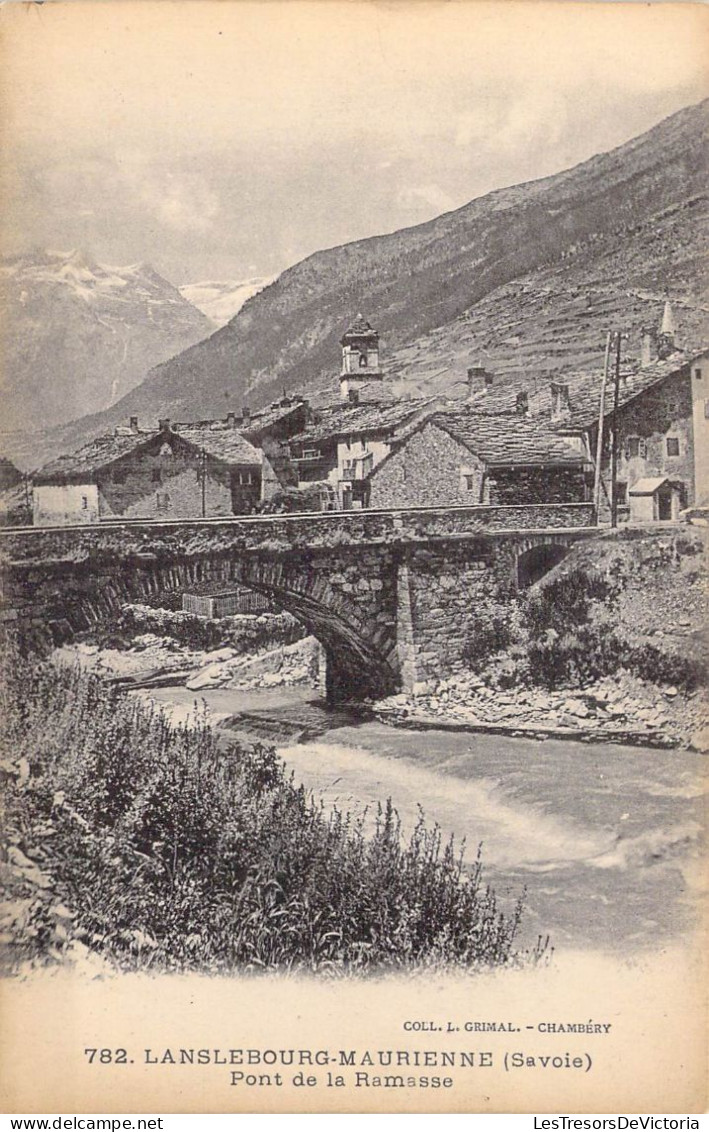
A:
(162, 851)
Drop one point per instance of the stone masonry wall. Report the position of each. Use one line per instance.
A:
(446, 591)
(662, 412)
(426, 472)
(537, 485)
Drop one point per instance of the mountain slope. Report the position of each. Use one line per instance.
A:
(529, 277)
(78, 336)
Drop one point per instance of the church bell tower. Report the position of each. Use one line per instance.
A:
(360, 357)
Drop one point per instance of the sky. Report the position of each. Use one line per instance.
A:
(230, 139)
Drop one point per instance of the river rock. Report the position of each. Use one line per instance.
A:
(218, 655)
(206, 678)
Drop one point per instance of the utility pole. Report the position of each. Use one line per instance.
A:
(203, 477)
(614, 441)
(599, 440)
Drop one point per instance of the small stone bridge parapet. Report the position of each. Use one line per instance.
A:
(390, 594)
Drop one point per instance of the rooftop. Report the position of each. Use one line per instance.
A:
(584, 391)
(347, 419)
(504, 440)
(225, 444)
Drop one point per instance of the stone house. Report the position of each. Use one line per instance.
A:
(169, 473)
(458, 457)
(341, 448)
(662, 424)
(662, 465)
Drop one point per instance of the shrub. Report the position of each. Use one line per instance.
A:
(160, 850)
(565, 602)
(587, 654)
(489, 632)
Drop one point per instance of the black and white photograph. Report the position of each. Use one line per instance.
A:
(354, 511)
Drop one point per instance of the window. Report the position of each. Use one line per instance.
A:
(362, 361)
(84, 503)
(245, 477)
(162, 501)
(621, 494)
(697, 374)
(156, 475)
(673, 446)
(633, 446)
(706, 409)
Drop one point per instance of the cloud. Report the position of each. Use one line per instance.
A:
(179, 200)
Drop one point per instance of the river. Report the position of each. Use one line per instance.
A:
(605, 839)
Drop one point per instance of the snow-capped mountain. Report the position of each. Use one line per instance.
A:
(78, 335)
(221, 301)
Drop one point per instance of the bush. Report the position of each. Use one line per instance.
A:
(588, 654)
(564, 603)
(159, 850)
(489, 632)
(648, 662)
(594, 651)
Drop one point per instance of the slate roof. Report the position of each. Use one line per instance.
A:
(225, 444)
(82, 465)
(345, 419)
(360, 328)
(502, 441)
(584, 392)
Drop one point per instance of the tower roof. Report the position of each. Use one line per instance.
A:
(360, 328)
(668, 320)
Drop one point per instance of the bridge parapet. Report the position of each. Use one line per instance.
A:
(279, 534)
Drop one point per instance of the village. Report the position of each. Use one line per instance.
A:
(360, 446)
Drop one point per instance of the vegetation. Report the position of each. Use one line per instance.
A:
(573, 637)
(490, 632)
(148, 844)
(566, 632)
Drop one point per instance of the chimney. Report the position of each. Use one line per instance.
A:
(231, 420)
(246, 416)
(353, 396)
(648, 348)
(522, 404)
(560, 407)
(134, 424)
(478, 378)
(164, 424)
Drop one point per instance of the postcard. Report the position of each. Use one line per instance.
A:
(354, 497)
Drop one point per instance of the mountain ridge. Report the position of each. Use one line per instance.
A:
(596, 245)
(79, 335)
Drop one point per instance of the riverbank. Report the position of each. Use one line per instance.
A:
(618, 709)
(605, 838)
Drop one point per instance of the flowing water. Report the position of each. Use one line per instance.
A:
(605, 839)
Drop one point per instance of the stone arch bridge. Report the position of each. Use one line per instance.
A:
(389, 594)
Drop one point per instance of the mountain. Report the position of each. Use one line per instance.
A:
(77, 335)
(221, 301)
(527, 279)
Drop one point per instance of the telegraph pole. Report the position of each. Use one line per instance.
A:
(614, 441)
(203, 477)
(599, 439)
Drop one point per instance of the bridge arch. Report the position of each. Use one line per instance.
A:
(535, 560)
(349, 610)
